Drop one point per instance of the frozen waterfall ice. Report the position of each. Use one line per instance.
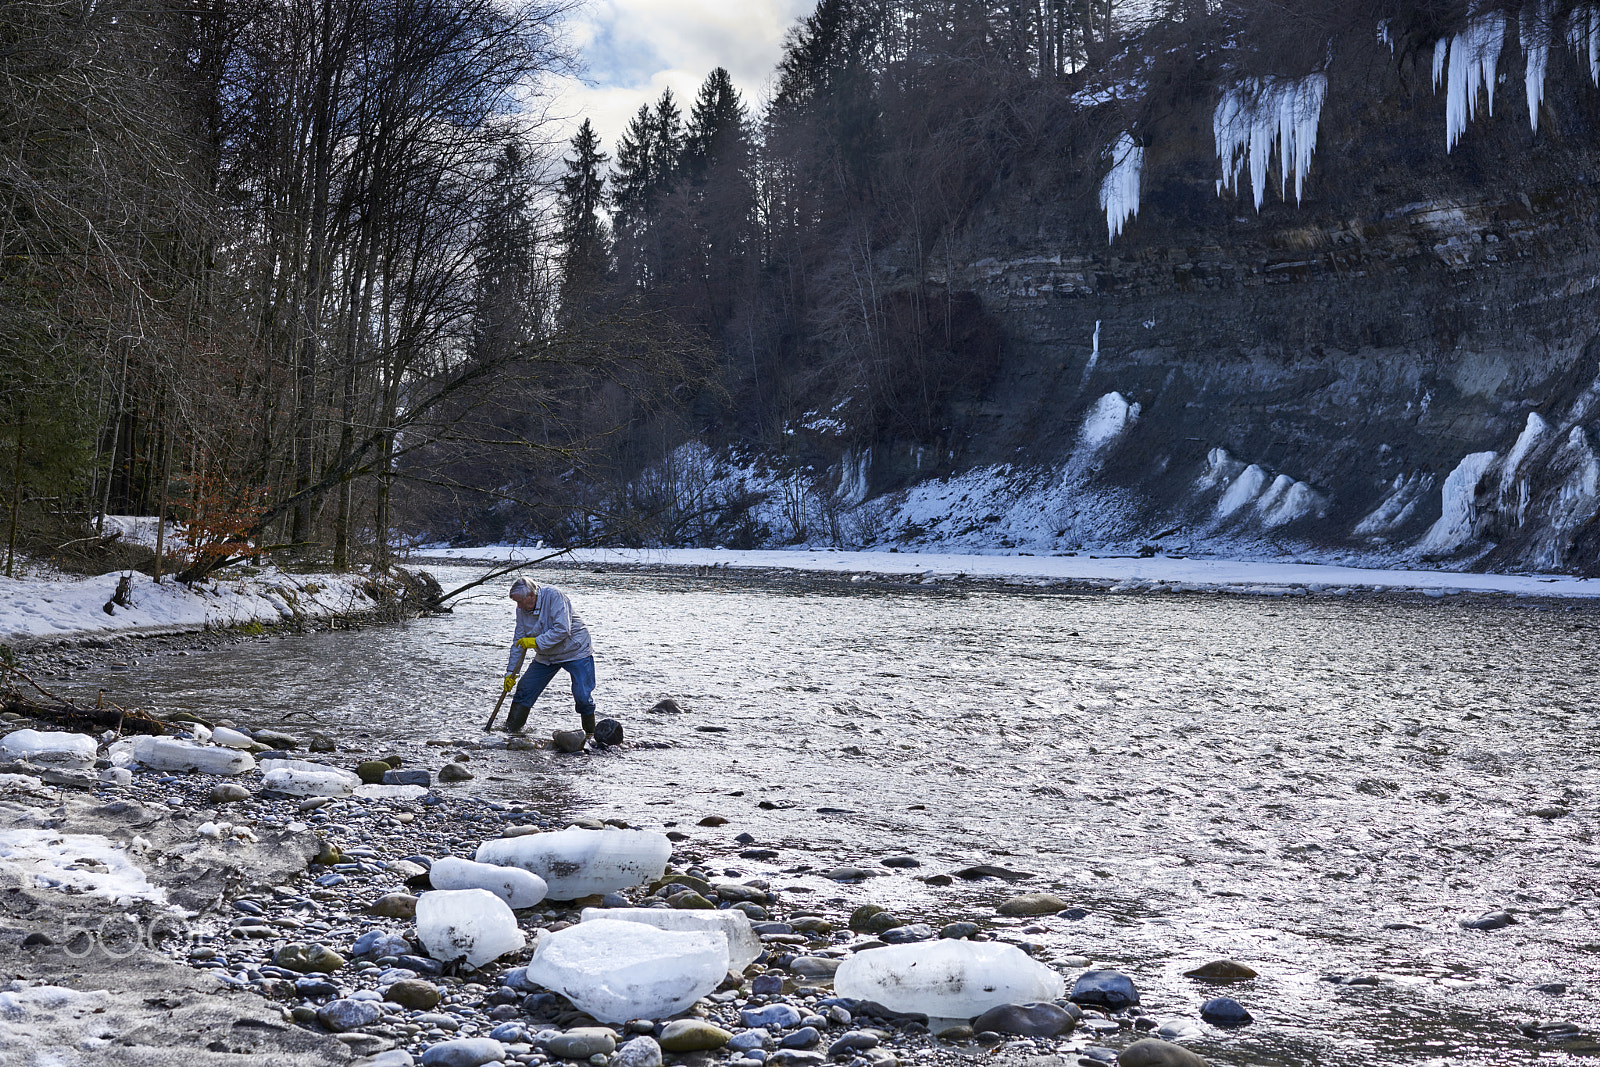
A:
(168, 754)
(743, 944)
(1119, 191)
(1262, 115)
(947, 978)
(515, 886)
(576, 863)
(618, 971)
(470, 924)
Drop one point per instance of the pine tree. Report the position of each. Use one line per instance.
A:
(504, 315)
(583, 234)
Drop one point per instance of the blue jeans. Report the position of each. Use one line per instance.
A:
(538, 675)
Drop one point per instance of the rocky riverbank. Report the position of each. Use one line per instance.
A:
(204, 914)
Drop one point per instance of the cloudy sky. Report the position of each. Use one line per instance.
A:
(633, 49)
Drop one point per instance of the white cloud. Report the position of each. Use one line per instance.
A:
(633, 49)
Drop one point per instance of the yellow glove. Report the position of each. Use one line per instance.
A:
(511, 683)
(528, 642)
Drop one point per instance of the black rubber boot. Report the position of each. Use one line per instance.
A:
(587, 718)
(517, 718)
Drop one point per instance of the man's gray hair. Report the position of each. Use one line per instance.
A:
(521, 587)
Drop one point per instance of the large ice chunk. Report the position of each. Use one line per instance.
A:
(473, 924)
(57, 748)
(950, 979)
(576, 863)
(515, 886)
(743, 944)
(232, 738)
(618, 971)
(308, 766)
(307, 783)
(168, 754)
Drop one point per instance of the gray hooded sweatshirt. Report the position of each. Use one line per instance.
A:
(562, 636)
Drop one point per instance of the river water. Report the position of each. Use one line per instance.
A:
(1315, 787)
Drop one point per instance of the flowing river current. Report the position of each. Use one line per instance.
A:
(1320, 788)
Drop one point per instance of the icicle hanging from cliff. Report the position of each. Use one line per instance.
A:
(1258, 116)
(1119, 192)
(1474, 55)
(1583, 35)
(1534, 31)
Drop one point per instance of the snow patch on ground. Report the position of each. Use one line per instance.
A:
(77, 863)
(46, 607)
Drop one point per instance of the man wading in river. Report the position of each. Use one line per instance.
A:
(549, 628)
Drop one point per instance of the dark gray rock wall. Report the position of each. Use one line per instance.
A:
(1322, 373)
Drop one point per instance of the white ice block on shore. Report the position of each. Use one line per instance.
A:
(299, 783)
(618, 971)
(57, 748)
(515, 886)
(743, 944)
(948, 978)
(576, 863)
(232, 738)
(470, 924)
(308, 766)
(169, 754)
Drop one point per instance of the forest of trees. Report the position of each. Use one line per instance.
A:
(309, 276)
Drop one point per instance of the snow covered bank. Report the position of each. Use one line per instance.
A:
(43, 609)
(1115, 573)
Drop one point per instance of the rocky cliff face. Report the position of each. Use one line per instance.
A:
(1404, 365)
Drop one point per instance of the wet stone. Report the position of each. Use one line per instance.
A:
(454, 772)
(905, 935)
(227, 793)
(568, 741)
(693, 1035)
(466, 1052)
(394, 906)
(960, 930)
(583, 1042)
(1111, 990)
(1032, 904)
(1494, 920)
(1026, 1020)
(409, 776)
(1152, 1053)
(413, 993)
(1221, 971)
(773, 1016)
(306, 958)
(766, 985)
(1225, 1011)
(805, 1037)
(349, 1014)
(372, 771)
(639, 1052)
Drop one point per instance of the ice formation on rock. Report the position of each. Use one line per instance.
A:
(515, 886)
(618, 971)
(56, 747)
(743, 944)
(1583, 35)
(1459, 494)
(947, 978)
(1534, 32)
(1260, 116)
(1474, 53)
(1406, 492)
(1119, 190)
(169, 754)
(1106, 421)
(470, 924)
(575, 863)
